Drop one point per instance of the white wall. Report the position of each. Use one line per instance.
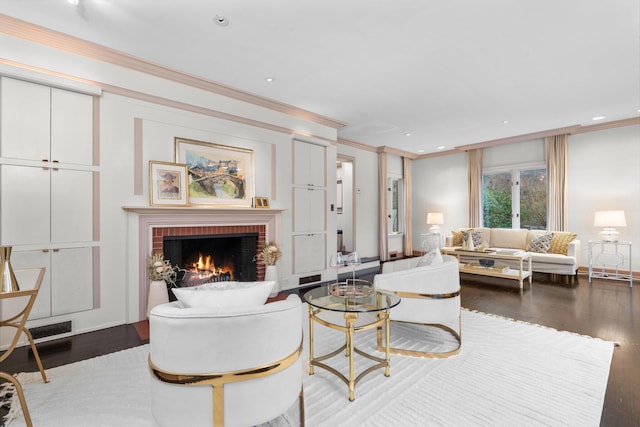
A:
(604, 174)
(439, 184)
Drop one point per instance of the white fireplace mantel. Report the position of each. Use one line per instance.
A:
(143, 219)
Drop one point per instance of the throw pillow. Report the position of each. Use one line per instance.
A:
(560, 242)
(433, 257)
(457, 237)
(476, 236)
(541, 243)
(225, 294)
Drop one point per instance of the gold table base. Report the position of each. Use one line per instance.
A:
(349, 347)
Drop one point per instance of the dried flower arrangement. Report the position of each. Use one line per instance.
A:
(161, 269)
(269, 254)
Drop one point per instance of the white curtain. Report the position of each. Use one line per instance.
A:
(556, 153)
(382, 205)
(474, 158)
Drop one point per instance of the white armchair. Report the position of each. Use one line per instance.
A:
(430, 297)
(225, 366)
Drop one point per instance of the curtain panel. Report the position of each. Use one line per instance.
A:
(382, 205)
(556, 152)
(408, 236)
(474, 158)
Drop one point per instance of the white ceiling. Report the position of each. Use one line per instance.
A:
(448, 72)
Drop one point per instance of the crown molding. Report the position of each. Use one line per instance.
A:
(610, 125)
(34, 33)
(357, 145)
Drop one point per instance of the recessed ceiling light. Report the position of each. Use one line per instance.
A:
(407, 134)
(420, 151)
(599, 117)
(441, 147)
(269, 79)
(504, 122)
(73, 2)
(221, 21)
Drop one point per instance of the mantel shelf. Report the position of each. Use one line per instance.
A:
(149, 210)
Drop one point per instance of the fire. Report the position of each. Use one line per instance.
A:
(204, 265)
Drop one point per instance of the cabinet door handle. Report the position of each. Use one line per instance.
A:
(56, 250)
(45, 250)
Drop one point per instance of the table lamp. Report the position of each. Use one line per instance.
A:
(609, 220)
(435, 220)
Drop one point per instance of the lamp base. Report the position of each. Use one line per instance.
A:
(609, 234)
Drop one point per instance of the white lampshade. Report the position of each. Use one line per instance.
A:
(609, 220)
(435, 220)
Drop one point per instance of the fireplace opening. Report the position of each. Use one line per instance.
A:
(212, 258)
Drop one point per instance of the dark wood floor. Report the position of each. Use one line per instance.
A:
(604, 309)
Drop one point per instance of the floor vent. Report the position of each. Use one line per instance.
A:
(309, 279)
(50, 330)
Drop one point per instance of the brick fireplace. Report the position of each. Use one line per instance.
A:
(153, 223)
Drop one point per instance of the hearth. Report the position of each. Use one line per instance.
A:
(212, 258)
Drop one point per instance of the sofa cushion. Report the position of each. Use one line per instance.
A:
(225, 294)
(540, 243)
(509, 238)
(457, 237)
(560, 242)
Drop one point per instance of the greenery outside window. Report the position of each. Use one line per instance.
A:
(515, 198)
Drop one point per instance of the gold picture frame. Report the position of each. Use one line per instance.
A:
(260, 202)
(216, 174)
(167, 184)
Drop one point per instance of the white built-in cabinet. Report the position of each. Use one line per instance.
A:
(47, 181)
(309, 207)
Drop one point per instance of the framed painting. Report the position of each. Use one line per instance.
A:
(167, 184)
(260, 202)
(216, 174)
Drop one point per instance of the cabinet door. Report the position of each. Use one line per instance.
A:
(25, 117)
(35, 259)
(309, 253)
(71, 206)
(71, 280)
(309, 164)
(71, 127)
(309, 209)
(24, 203)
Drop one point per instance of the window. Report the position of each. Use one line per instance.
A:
(515, 198)
(396, 205)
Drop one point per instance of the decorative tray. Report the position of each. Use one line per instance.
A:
(344, 290)
(496, 268)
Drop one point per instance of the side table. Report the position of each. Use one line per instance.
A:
(352, 307)
(25, 299)
(607, 259)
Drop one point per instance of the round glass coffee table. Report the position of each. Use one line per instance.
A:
(361, 307)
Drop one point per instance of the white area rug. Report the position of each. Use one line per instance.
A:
(507, 373)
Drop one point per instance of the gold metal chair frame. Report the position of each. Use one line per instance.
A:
(456, 334)
(218, 380)
(18, 321)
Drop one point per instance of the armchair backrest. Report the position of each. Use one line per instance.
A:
(217, 342)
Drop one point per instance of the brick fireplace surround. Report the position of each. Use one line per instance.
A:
(153, 223)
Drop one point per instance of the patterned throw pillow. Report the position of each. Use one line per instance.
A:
(475, 235)
(541, 243)
(560, 242)
(433, 257)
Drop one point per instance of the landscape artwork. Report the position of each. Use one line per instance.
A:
(217, 174)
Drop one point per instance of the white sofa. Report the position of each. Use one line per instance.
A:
(507, 238)
(430, 296)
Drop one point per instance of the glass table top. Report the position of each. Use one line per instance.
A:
(349, 297)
